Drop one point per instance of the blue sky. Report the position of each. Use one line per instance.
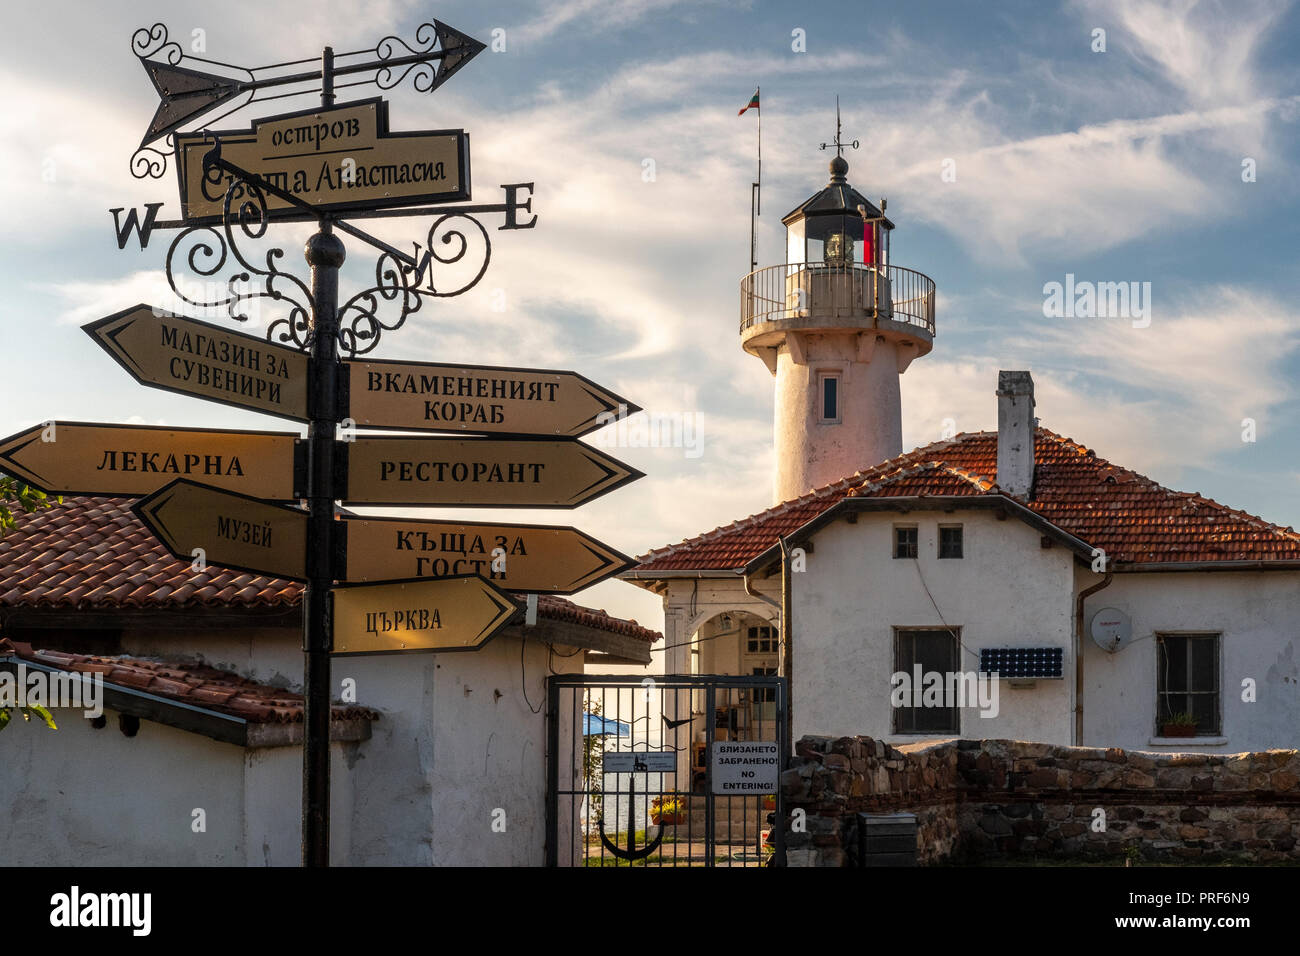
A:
(1123, 165)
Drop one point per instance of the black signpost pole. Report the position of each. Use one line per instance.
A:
(324, 252)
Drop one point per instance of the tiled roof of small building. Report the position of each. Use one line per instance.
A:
(93, 552)
(1130, 517)
(187, 683)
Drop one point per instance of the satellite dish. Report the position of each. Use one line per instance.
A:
(1111, 629)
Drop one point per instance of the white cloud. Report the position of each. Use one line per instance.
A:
(1162, 399)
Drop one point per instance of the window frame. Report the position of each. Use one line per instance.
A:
(823, 377)
(961, 542)
(916, 543)
(1161, 696)
(771, 637)
(896, 721)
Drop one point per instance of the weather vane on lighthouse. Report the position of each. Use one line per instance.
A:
(839, 144)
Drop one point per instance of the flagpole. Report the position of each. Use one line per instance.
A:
(756, 188)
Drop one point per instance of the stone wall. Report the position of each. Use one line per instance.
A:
(981, 799)
(833, 780)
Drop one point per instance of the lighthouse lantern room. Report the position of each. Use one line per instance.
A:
(836, 324)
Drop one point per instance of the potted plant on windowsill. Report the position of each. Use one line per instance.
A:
(1182, 724)
(667, 811)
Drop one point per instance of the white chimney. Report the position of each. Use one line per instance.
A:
(1016, 423)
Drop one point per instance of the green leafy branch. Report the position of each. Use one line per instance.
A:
(31, 710)
(14, 494)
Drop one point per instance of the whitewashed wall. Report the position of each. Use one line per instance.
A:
(456, 741)
(1007, 591)
(81, 796)
(1258, 615)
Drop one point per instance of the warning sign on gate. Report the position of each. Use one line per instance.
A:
(745, 767)
(639, 761)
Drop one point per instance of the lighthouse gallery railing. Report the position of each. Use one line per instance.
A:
(852, 290)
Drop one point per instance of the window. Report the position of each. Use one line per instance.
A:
(905, 542)
(950, 541)
(931, 651)
(760, 640)
(1187, 680)
(764, 695)
(830, 398)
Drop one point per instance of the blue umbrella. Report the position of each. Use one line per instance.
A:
(594, 725)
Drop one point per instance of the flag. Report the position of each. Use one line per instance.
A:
(751, 105)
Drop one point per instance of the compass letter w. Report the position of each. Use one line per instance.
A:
(133, 224)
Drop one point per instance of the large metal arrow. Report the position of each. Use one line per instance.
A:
(186, 94)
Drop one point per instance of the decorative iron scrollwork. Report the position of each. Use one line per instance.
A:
(381, 308)
(205, 250)
(231, 277)
(426, 35)
(148, 41)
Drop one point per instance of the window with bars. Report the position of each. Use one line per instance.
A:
(905, 541)
(934, 650)
(950, 541)
(1187, 680)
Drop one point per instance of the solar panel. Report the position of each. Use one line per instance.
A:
(1023, 662)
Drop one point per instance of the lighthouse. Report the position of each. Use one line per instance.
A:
(836, 325)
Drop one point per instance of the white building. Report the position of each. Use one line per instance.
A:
(986, 551)
(197, 760)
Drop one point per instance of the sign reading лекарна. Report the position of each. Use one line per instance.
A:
(745, 767)
(339, 158)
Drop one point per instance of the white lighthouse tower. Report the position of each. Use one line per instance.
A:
(837, 325)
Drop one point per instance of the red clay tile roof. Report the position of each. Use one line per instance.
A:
(555, 608)
(1130, 517)
(188, 683)
(92, 552)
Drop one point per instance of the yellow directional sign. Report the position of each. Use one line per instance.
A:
(542, 558)
(228, 530)
(425, 396)
(195, 358)
(76, 458)
(340, 158)
(484, 472)
(452, 614)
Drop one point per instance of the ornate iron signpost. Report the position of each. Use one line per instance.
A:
(225, 492)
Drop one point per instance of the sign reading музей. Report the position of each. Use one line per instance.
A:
(339, 158)
(246, 534)
(250, 535)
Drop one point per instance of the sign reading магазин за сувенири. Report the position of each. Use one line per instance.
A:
(340, 158)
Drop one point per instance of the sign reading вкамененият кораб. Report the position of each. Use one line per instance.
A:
(745, 766)
(338, 158)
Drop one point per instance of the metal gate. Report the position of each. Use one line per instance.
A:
(678, 770)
